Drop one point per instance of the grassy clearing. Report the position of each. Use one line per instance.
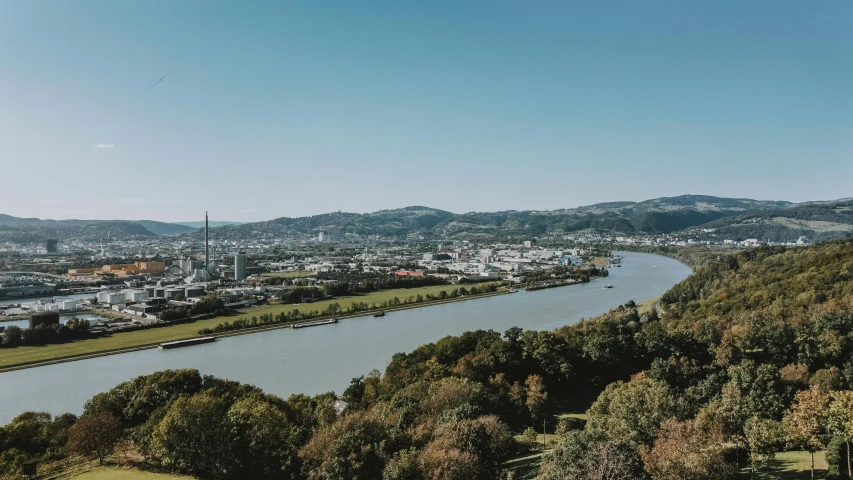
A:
(600, 261)
(791, 466)
(572, 410)
(113, 473)
(526, 467)
(646, 305)
(294, 274)
(21, 355)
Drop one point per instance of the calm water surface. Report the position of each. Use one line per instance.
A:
(321, 359)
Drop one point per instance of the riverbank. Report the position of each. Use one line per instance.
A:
(124, 342)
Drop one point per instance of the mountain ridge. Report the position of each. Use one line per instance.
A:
(703, 215)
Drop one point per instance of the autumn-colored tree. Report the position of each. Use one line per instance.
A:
(840, 419)
(683, 452)
(95, 434)
(806, 420)
(440, 460)
(535, 394)
(828, 379)
(356, 446)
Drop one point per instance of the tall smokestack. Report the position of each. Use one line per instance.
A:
(206, 265)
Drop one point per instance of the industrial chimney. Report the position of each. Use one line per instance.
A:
(206, 264)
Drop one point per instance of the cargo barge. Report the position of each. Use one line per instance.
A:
(186, 343)
(314, 324)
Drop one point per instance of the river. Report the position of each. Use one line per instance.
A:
(320, 359)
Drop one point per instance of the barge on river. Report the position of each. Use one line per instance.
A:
(186, 343)
(314, 324)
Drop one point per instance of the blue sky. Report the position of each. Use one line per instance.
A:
(296, 108)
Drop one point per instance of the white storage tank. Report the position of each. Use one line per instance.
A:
(115, 298)
(104, 297)
(68, 305)
(138, 296)
(51, 307)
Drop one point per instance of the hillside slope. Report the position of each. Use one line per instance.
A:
(25, 230)
(656, 216)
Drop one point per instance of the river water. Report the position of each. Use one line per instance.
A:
(325, 358)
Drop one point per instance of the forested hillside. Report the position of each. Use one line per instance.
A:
(815, 221)
(660, 215)
(25, 230)
(753, 355)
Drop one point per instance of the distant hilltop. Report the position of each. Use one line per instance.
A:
(212, 224)
(734, 218)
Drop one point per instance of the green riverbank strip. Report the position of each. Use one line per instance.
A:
(29, 357)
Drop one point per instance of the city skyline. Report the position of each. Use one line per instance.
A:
(160, 110)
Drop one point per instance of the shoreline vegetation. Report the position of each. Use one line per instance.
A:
(355, 309)
(131, 341)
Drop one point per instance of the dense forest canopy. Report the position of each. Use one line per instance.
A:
(753, 354)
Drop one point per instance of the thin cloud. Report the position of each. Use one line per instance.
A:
(248, 210)
(102, 146)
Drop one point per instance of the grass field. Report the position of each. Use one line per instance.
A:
(646, 305)
(791, 466)
(526, 467)
(600, 261)
(20, 355)
(112, 473)
(295, 274)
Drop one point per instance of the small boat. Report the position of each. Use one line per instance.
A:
(379, 314)
(608, 286)
(314, 324)
(186, 343)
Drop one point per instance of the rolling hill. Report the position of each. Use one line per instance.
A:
(27, 230)
(702, 217)
(656, 216)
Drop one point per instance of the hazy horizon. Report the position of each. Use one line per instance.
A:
(273, 109)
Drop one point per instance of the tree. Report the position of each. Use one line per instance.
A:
(403, 465)
(582, 455)
(683, 452)
(263, 442)
(805, 421)
(632, 411)
(840, 419)
(192, 437)
(95, 434)
(12, 335)
(440, 460)
(353, 447)
(536, 394)
(762, 436)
